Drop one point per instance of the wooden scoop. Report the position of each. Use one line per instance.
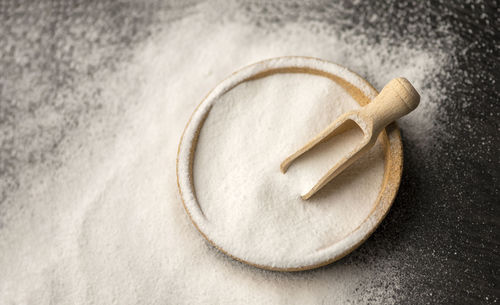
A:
(397, 98)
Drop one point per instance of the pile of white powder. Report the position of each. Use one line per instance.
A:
(254, 211)
(107, 226)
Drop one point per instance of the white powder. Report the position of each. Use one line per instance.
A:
(255, 212)
(106, 226)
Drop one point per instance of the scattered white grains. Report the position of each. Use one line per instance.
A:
(107, 225)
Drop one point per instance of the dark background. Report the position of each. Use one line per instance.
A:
(445, 220)
(446, 216)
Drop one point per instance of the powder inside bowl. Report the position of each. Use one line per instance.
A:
(252, 210)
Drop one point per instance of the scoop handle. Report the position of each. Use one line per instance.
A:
(397, 99)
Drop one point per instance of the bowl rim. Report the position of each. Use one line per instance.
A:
(390, 137)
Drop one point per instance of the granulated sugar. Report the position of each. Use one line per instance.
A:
(253, 210)
(106, 225)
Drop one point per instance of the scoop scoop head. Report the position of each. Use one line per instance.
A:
(395, 100)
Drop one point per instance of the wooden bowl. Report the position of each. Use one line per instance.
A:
(390, 139)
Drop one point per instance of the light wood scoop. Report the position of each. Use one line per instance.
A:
(397, 98)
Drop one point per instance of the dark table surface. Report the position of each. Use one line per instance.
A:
(445, 220)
